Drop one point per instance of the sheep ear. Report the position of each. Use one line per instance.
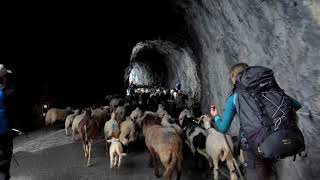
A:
(123, 154)
(109, 140)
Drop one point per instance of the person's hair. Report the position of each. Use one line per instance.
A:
(235, 71)
(238, 68)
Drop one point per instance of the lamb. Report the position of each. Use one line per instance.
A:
(75, 124)
(127, 131)
(88, 129)
(69, 120)
(111, 129)
(217, 148)
(165, 143)
(115, 153)
(55, 114)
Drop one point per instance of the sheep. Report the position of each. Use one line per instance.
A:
(161, 111)
(114, 103)
(165, 143)
(88, 129)
(100, 115)
(75, 124)
(115, 153)
(217, 148)
(184, 114)
(195, 138)
(111, 129)
(120, 113)
(55, 114)
(127, 131)
(168, 121)
(69, 120)
(136, 117)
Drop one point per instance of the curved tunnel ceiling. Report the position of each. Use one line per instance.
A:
(175, 63)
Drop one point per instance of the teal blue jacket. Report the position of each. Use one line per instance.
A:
(223, 123)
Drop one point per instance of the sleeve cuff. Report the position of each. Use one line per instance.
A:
(216, 118)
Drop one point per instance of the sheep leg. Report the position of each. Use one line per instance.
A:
(89, 149)
(168, 173)
(107, 147)
(73, 134)
(233, 175)
(85, 150)
(119, 160)
(202, 152)
(179, 167)
(155, 164)
(191, 147)
(111, 161)
(150, 163)
(215, 168)
(66, 129)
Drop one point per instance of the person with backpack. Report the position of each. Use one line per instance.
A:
(268, 128)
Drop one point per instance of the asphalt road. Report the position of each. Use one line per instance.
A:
(49, 154)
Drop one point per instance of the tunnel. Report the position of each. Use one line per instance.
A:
(160, 63)
(76, 53)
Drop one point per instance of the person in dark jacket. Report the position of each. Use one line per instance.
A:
(255, 168)
(6, 142)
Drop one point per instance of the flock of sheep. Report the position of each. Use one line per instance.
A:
(164, 118)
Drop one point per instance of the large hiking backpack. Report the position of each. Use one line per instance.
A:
(266, 115)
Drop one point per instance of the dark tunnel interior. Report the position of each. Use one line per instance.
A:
(75, 52)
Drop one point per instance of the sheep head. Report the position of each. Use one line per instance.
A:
(205, 121)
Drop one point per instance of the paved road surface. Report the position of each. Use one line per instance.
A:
(50, 155)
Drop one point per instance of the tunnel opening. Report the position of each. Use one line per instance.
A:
(163, 63)
(149, 69)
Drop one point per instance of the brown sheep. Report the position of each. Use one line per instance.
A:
(88, 130)
(165, 143)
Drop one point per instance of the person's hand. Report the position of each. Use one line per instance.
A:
(213, 111)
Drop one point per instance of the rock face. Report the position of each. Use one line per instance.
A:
(283, 35)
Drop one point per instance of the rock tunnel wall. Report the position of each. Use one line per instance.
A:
(283, 35)
(280, 34)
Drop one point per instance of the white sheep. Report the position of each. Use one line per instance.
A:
(127, 131)
(120, 114)
(111, 129)
(168, 121)
(69, 120)
(161, 112)
(114, 103)
(217, 148)
(55, 114)
(115, 153)
(75, 124)
(100, 115)
(136, 117)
